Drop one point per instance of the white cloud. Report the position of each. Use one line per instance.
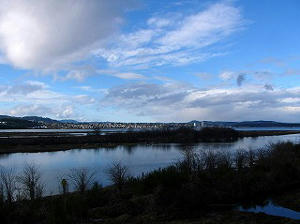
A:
(60, 112)
(129, 75)
(37, 98)
(22, 89)
(138, 38)
(168, 101)
(227, 75)
(45, 35)
(182, 41)
(29, 110)
(178, 102)
(77, 75)
(205, 28)
(67, 112)
(121, 75)
(50, 35)
(84, 99)
(92, 90)
(250, 76)
(159, 22)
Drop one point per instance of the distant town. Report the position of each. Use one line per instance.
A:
(9, 122)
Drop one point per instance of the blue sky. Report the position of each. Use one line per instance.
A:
(148, 61)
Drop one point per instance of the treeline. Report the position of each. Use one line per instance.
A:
(181, 135)
(197, 184)
(16, 123)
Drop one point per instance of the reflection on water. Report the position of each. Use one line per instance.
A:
(139, 158)
(271, 209)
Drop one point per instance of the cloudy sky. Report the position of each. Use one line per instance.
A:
(148, 61)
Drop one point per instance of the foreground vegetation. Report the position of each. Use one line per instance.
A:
(201, 188)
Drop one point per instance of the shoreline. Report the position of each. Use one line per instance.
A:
(267, 133)
(58, 142)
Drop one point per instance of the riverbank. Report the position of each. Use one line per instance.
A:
(266, 133)
(49, 142)
(289, 200)
(225, 217)
(19, 148)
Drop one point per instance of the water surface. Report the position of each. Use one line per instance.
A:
(272, 209)
(139, 158)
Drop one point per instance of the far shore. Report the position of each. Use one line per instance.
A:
(267, 133)
(14, 142)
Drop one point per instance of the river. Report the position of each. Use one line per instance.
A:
(139, 158)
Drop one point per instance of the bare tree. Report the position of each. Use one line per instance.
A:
(118, 174)
(210, 159)
(30, 181)
(225, 160)
(240, 159)
(251, 158)
(191, 162)
(1, 192)
(82, 179)
(8, 182)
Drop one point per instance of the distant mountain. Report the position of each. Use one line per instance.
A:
(4, 116)
(48, 120)
(246, 124)
(40, 119)
(195, 122)
(30, 121)
(265, 124)
(69, 121)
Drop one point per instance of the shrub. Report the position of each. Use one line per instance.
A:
(118, 174)
(82, 179)
(30, 181)
(8, 184)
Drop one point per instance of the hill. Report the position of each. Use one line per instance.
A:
(39, 119)
(245, 124)
(69, 121)
(16, 123)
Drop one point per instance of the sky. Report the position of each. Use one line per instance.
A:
(151, 60)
